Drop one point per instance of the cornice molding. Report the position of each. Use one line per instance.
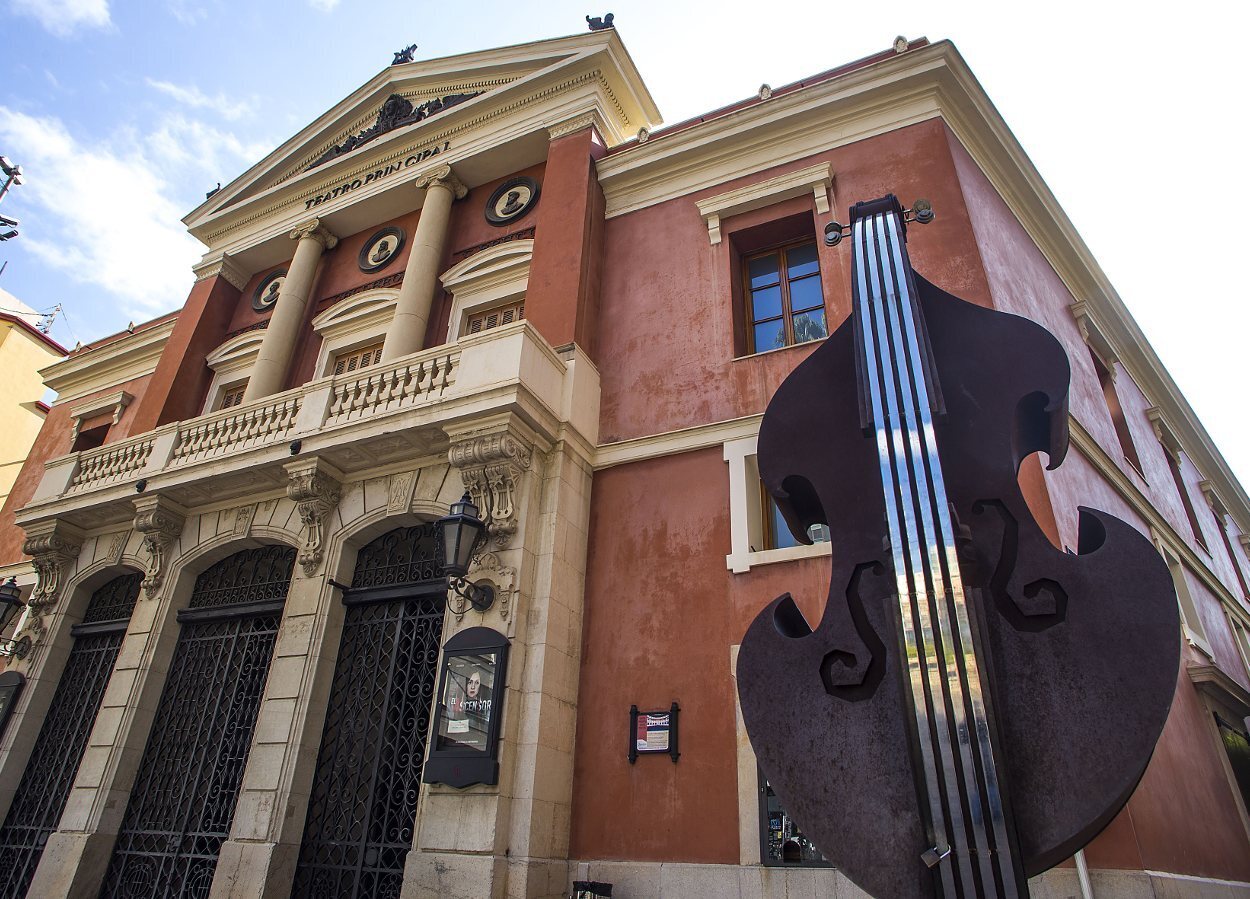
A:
(1094, 336)
(222, 265)
(815, 179)
(593, 119)
(109, 365)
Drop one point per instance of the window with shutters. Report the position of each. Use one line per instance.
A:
(493, 318)
(345, 363)
(232, 395)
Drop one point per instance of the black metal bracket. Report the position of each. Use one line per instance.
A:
(921, 213)
(480, 594)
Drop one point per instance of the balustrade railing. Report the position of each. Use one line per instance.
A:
(393, 387)
(108, 464)
(399, 385)
(235, 429)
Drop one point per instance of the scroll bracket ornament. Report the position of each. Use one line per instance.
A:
(52, 545)
(314, 486)
(491, 467)
(159, 519)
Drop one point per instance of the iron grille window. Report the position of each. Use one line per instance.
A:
(183, 799)
(363, 806)
(46, 782)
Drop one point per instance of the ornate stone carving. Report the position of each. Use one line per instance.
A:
(399, 495)
(491, 467)
(243, 519)
(575, 124)
(117, 546)
(444, 176)
(487, 566)
(396, 112)
(224, 266)
(51, 545)
(315, 487)
(318, 232)
(160, 521)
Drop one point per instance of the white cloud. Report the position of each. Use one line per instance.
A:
(323, 5)
(64, 17)
(193, 96)
(185, 12)
(107, 214)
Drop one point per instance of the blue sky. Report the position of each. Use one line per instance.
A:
(123, 114)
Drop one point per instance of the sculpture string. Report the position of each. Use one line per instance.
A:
(974, 704)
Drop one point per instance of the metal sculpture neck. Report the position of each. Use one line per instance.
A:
(957, 773)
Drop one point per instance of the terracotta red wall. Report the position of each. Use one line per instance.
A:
(662, 611)
(53, 441)
(1183, 818)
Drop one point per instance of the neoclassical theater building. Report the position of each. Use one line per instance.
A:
(244, 673)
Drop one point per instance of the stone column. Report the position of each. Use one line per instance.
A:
(274, 358)
(412, 307)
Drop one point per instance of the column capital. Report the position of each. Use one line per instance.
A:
(580, 122)
(444, 176)
(314, 229)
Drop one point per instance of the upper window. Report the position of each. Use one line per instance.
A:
(785, 302)
(776, 532)
(232, 396)
(358, 359)
(493, 318)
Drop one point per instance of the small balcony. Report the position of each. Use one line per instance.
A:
(395, 414)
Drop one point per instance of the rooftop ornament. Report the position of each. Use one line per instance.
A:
(598, 24)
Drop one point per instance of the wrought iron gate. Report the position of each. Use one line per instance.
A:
(363, 806)
(183, 799)
(46, 782)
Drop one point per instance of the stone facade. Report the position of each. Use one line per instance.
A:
(607, 437)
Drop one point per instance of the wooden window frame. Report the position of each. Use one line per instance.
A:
(517, 307)
(232, 395)
(783, 279)
(339, 364)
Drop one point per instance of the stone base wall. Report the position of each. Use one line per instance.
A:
(654, 880)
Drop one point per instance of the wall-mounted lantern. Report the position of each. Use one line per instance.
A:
(462, 533)
(469, 703)
(10, 604)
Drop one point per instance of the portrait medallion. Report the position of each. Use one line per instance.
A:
(511, 200)
(380, 249)
(267, 293)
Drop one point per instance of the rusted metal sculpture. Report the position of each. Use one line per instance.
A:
(974, 704)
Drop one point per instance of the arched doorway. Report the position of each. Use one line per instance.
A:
(49, 776)
(363, 805)
(183, 799)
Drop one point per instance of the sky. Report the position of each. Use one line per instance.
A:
(123, 114)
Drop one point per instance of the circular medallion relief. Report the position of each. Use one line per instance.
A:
(380, 249)
(267, 293)
(511, 200)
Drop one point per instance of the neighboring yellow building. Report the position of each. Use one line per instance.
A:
(23, 351)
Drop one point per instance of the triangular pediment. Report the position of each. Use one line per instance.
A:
(429, 103)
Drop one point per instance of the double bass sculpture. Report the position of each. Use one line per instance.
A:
(974, 705)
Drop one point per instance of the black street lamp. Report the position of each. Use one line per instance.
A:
(462, 533)
(10, 603)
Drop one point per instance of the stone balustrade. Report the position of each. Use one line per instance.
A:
(397, 410)
(112, 463)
